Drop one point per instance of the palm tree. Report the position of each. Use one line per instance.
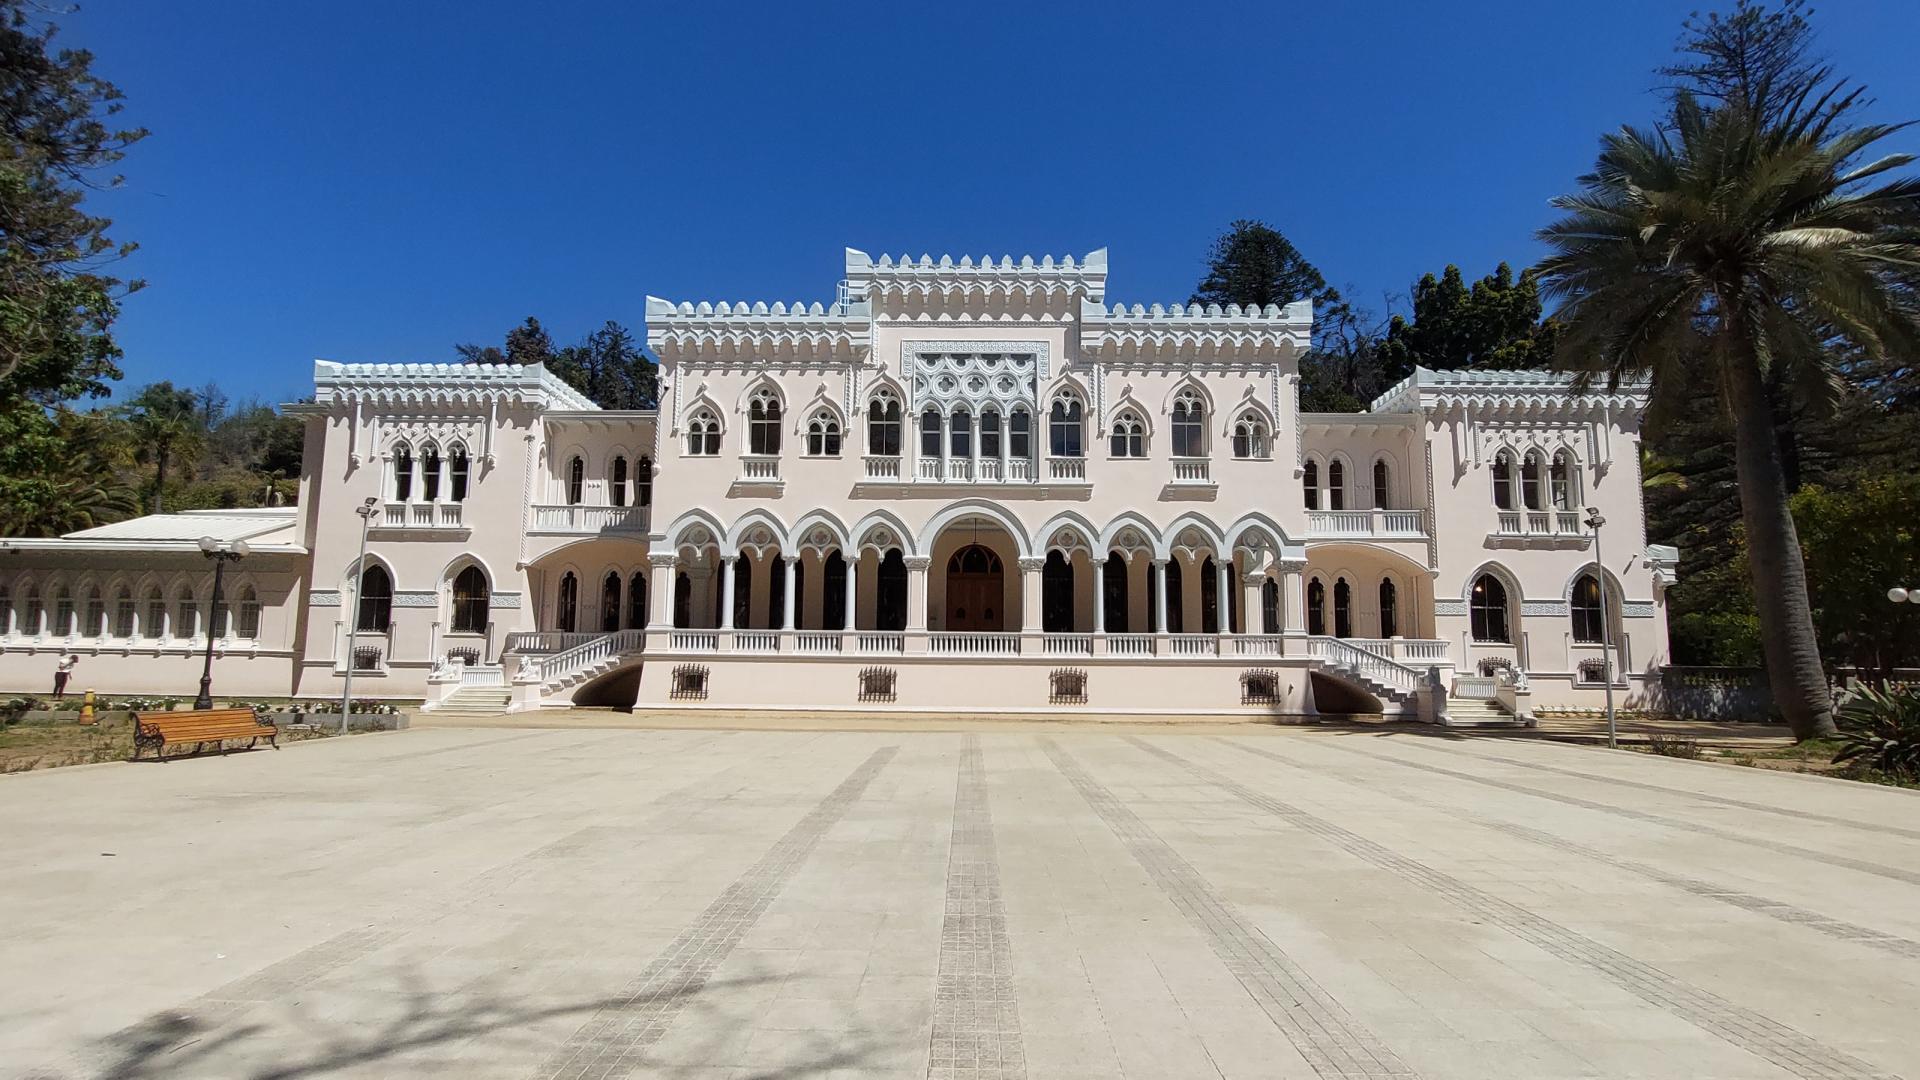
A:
(1738, 253)
(169, 428)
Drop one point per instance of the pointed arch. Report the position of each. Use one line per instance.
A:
(1184, 384)
(897, 533)
(1129, 519)
(682, 532)
(1174, 536)
(1128, 400)
(806, 531)
(1080, 529)
(761, 383)
(730, 544)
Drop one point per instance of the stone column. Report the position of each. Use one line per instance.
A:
(1099, 596)
(1030, 593)
(1250, 603)
(917, 593)
(1293, 603)
(851, 621)
(786, 616)
(662, 591)
(1223, 596)
(1158, 572)
(726, 591)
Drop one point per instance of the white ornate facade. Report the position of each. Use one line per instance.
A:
(966, 486)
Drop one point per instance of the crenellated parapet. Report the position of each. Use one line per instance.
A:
(989, 289)
(1195, 332)
(759, 334)
(412, 385)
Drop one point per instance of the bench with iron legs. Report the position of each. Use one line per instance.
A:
(201, 727)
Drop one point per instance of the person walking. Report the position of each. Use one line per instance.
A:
(61, 674)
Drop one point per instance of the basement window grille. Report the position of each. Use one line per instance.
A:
(469, 657)
(1067, 686)
(689, 683)
(1593, 672)
(1260, 687)
(366, 658)
(877, 684)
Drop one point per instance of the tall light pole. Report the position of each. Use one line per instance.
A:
(221, 553)
(1594, 521)
(366, 510)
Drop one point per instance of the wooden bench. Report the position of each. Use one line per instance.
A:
(160, 730)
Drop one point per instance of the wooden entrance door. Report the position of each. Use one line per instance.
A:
(976, 590)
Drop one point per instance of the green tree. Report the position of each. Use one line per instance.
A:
(1729, 250)
(529, 343)
(168, 428)
(610, 368)
(1857, 542)
(1494, 324)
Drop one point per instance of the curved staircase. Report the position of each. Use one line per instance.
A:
(1396, 684)
(580, 661)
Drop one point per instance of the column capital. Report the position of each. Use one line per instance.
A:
(1032, 566)
(918, 562)
(663, 558)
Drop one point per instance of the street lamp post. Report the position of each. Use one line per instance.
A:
(221, 553)
(366, 510)
(1594, 521)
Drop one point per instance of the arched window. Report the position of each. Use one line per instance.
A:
(124, 611)
(1056, 594)
(1342, 608)
(643, 482)
(1503, 480)
(763, 422)
(1189, 425)
(1270, 607)
(960, 434)
(610, 603)
(1114, 581)
(637, 601)
(1209, 596)
(1310, 483)
(1589, 626)
(1316, 607)
(617, 481)
(470, 600)
(375, 600)
(32, 613)
(246, 623)
(566, 604)
(576, 480)
(62, 611)
(682, 600)
(186, 614)
(833, 596)
(402, 473)
(430, 472)
(1127, 439)
(457, 473)
(1382, 485)
(1389, 609)
(1532, 480)
(1176, 599)
(221, 622)
(883, 424)
(1565, 495)
(1063, 427)
(1487, 609)
(1250, 437)
(1020, 434)
(990, 434)
(703, 434)
(930, 434)
(93, 622)
(156, 622)
(823, 435)
(1336, 485)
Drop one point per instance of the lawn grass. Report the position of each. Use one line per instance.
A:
(50, 744)
(1813, 756)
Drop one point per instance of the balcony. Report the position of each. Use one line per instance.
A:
(1366, 524)
(1072, 469)
(421, 516)
(1192, 470)
(882, 466)
(591, 520)
(1527, 527)
(881, 473)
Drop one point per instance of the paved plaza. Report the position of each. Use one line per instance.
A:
(999, 901)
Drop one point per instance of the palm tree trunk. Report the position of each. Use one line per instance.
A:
(160, 480)
(1787, 637)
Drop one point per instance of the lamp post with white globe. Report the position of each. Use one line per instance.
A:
(222, 553)
(1903, 596)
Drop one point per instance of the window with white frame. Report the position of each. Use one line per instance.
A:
(62, 611)
(6, 610)
(186, 614)
(93, 622)
(1020, 434)
(123, 613)
(1564, 480)
(823, 435)
(1382, 485)
(1589, 614)
(763, 422)
(1336, 484)
(930, 432)
(1188, 427)
(643, 482)
(1064, 422)
(960, 435)
(32, 613)
(703, 434)
(1533, 480)
(1127, 438)
(375, 601)
(617, 481)
(883, 424)
(457, 467)
(402, 472)
(1250, 437)
(1488, 611)
(430, 472)
(246, 623)
(1503, 480)
(156, 620)
(470, 597)
(1310, 483)
(990, 433)
(576, 480)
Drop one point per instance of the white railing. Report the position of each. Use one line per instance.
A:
(1476, 687)
(929, 468)
(1130, 644)
(1067, 644)
(1567, 521)
(1540, 523)
(1066, 468)
(881, 641)
(421, 515)
(1192, 471)
(606, 646)
(545, 641)
(1019, 468)
(1419, 649)
(1371, 523)
(1258, 645)
(882, 466)
(973, 643)
(1194, 644)
(959, 469)
(1353, 658)
(759, 467)
(482, 675)
(756, 641)
(695, 640)
(816, 641)
(588, 520)
(1510, 523)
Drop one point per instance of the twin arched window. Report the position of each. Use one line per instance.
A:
(1540, 484)
(1489, 611)
(763, 422)
(1188, 427)
(458, 473)
(703, 434)
(823, 435)
(1128, 438)
(883, 424)
(1250, 437)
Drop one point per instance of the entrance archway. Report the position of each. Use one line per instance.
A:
(976, 590)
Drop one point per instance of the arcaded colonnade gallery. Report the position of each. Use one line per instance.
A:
(964, 486)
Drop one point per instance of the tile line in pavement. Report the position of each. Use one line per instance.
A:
(1797, 1053)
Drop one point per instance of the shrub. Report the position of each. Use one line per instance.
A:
(1881, 730)
(1673, 746)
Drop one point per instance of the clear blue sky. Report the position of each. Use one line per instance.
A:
(376, 182)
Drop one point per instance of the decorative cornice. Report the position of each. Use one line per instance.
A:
(1521, 392)
(416, 598)
(323, 598)
(504, 601)
(1187, 332)
(1636, 609)
(388, 385)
